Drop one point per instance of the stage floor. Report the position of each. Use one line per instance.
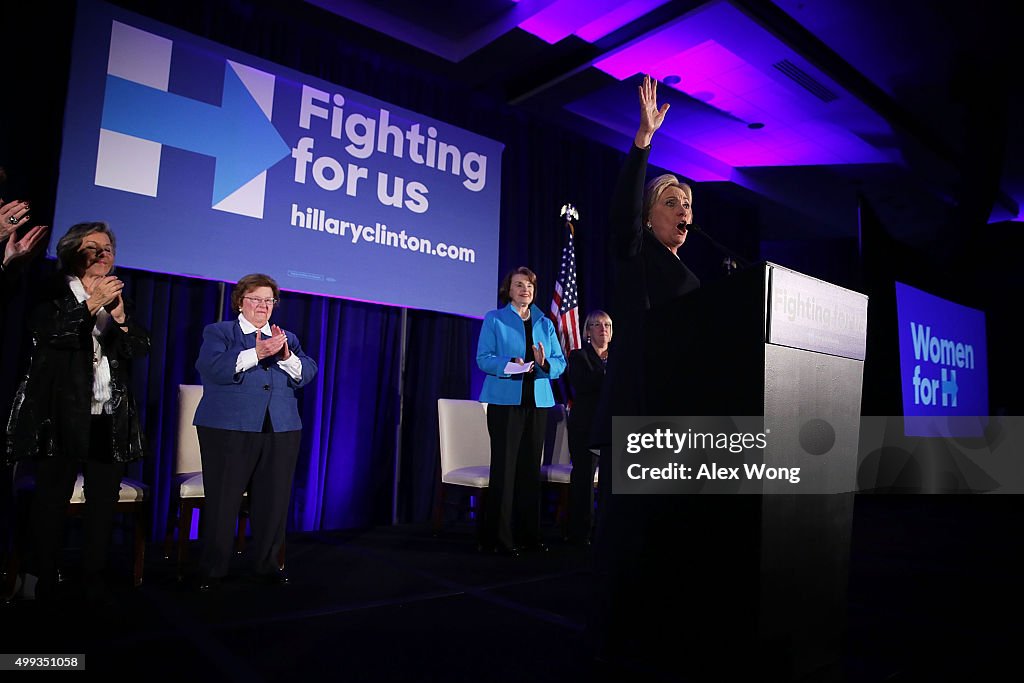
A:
(935, 594)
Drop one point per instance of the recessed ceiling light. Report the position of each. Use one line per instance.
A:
(671, 80)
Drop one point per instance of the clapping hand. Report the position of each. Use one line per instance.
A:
(116, 310)
(521, 361)
(268, 346)
(11, 216)
(538, 355)
(18, 251)
(278, 331)
(103, 290)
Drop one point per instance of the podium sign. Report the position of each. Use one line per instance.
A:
(807, 313)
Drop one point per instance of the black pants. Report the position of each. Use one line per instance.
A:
(263, 462)
(581, 486)
(672, 573)
(55, 482)
(512, 515)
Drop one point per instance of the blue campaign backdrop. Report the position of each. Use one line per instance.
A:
(943, 358)
(213, 163)
(345, 469)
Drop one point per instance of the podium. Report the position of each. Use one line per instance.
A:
(770, 341)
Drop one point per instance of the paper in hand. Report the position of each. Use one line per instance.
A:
(512, 368)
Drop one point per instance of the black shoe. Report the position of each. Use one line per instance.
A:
(535, 547)
(209, 584)
(498, 549)
(276, 577)
(46, 589)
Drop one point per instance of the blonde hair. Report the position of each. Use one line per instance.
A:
(656, 186)
(596, 315)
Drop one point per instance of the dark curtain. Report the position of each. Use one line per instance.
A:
(346, 471)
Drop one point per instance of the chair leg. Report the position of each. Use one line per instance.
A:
(184, 529)
(11, 570)
(281, 555)
(562, 511)
(172, 523)
(439, 510)
(480, 511)
(240, 536)
(140, 547)
(173, 514)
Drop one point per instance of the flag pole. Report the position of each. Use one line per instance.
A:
(565, 302)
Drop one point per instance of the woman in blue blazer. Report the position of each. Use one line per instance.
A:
(249, 428)
(517, 403)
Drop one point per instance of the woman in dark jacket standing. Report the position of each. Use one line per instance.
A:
(74, 409)
(635, 538)
(586, 376)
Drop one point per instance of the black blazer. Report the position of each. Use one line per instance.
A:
(646, 275)
(51, 414)
(586, 377)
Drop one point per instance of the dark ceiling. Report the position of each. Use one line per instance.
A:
(914, 105)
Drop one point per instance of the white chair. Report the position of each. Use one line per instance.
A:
(187, 490)
(465, 451)
(133, 499)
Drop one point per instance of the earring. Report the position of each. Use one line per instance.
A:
(648, 225)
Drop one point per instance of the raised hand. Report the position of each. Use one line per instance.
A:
(17, 251)
(12, 215)
(651, 117)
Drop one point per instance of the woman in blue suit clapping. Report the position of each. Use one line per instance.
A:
(519, 351)
(249, 428)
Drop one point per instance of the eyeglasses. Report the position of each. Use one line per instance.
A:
(607, 326)
(256, 301)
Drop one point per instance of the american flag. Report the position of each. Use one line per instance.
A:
(565, 310)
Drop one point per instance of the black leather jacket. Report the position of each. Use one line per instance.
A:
(51, 413)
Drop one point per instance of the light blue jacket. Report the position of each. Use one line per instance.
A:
(502, 338)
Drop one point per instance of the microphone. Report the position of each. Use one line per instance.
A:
(730, 254)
